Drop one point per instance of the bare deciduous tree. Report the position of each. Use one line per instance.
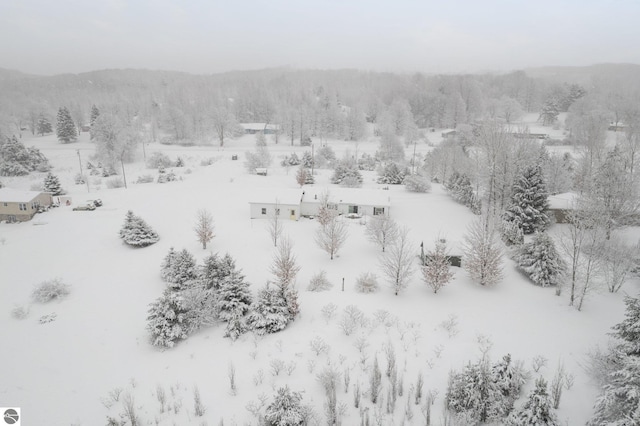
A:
(397, 262)
(482, 253)
(204, 227)
(437, 270)
(284, 266)
(332, 236)
(275, 225)
(382, 230)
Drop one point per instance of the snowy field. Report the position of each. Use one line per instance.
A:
(68, 371)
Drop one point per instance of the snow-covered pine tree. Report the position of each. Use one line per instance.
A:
(95, 113)
(167, 320)
(136, 232)
(346, 173)
(619, 402)
(269, 313)
(65, 128)
(236, 326)
(215, 269)
(510, 378)
(529, 201)
(437, 271)
(536, 411)
(307, 160)
(392, 174)
(286, 409)
(540, 260)
(179, 269)
(43, 126)
(166, 268)
(233, 296)
(473, 393)
(52, 185)
(511, 233)
(304, 176)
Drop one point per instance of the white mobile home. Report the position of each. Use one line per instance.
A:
(284, 203)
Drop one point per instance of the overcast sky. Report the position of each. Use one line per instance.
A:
(208, 36)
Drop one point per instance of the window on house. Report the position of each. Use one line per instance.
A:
(277, 212)
(264, 210)
(332, 206)
(293, 212)
(378, 211)
(353, 209)
(23, 206)
(5, 204)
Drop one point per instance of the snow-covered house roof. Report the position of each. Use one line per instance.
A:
(365, 197)
(564, 201)
(9, 195)
(290, 197)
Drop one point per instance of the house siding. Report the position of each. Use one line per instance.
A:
(11, 209)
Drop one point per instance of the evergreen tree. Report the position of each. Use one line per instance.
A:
(511, 233)
(269, 313)
(307, 160)
(461, 190)
(65, 128)
(236, 326)
(43, 126)
(135, 231)
(529, 201)
(179, 269)
(215, 269)
(540, 260)
(52, 185)
(537, 410)
(286, 409)
(346, 173)
(233, 296)
(550, 111)
(437, 270)
(167, 319)
(619, 402)
(95, 113)
(392, 174)
(510, 378)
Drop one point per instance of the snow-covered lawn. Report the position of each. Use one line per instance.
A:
(65, 371)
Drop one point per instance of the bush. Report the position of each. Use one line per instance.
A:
(49, 290)
(80, 179)
(145, 179)
(417, 183)
(319, 282)
(158, 160)
(20, 312)
(164, 177)
(367, 283)
(115, 182)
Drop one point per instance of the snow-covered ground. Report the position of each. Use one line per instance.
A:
(67, 371)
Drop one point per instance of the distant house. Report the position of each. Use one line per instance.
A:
(306, 202)
(617, 127)
(526, 135)
(20, 206)
(560, 205)
(449, 134)
(253, 128)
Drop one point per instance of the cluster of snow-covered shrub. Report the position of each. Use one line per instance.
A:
(198, 296)
(482, 392)
(49, 290)
(392, 174)
(135, 231)
(417, 183)
(346, 173)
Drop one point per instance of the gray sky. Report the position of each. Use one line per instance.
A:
(207, 36)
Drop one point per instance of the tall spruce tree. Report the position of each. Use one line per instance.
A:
(269, 312)
(167, 319)
(65, 128)
(234, 296)
(529, 204)
(619, 402)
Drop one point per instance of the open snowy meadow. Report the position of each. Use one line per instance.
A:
(78, 360)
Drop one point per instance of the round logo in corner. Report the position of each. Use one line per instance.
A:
(11, 416)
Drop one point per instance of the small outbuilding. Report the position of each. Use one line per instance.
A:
(560, 205)
(21, 206)
(253, 128)
(285, 204)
